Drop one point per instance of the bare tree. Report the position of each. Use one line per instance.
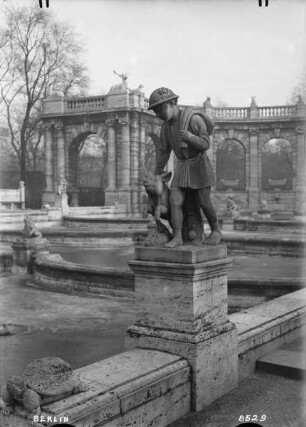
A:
(298, 91)
(37, 52)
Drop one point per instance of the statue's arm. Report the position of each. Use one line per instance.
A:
(163, 154)
(198, 136)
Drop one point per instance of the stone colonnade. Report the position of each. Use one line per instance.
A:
(125, 138)
(125, 162)
(127, 124)
(253, 138)
(54, 159)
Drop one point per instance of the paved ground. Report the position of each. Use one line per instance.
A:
(280, 402)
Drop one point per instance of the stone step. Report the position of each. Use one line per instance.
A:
(287, 361)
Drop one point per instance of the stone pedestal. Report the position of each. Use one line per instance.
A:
(27, 250)
(181, 308)
(121, 196)
(61, 201)
(48, 198)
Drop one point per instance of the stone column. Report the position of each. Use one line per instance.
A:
(141, 161)
(299, 201)
(112, 169)
(60, 151)
(181, 308)
(142, 144)
(253, 161)
(49, 159)
(48, 194)
(111, 157)
(125, 155)
(134, 132)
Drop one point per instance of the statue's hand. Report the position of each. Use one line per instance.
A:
(185, 135)
(157, 212)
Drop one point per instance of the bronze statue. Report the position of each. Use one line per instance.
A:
(186, 131)
(158, 205)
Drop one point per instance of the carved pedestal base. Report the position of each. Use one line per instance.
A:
(61, 201)
(181, 308)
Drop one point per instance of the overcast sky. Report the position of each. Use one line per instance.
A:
(226, 49)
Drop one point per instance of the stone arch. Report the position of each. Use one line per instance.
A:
(277, 170)
(231, 165)
(152, 143)
(84, 167)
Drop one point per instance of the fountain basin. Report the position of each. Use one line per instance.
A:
(270, 225)
(53, 272)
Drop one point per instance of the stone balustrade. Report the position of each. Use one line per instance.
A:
(92, 103)
(232, 113)
(103, 103)
(277, 111)
(261, 113)
(12, 197)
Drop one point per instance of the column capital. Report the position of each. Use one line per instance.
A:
(47, 126)
(123, 121)
(254, 130)
(300, 130)
(110, 122)
(86, 126)
(134, 123)
(59, 126)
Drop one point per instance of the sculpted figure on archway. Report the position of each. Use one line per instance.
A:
(186, 131)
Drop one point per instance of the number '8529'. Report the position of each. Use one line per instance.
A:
(252, 418)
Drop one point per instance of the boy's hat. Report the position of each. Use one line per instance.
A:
(161, 95)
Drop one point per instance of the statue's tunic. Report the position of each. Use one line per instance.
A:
(193, 168)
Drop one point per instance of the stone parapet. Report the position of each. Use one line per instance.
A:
(138, 387)
(265, 327)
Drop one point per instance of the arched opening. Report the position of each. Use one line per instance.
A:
(277, 169)
(231, 165)
(151, 145)
(87, 170)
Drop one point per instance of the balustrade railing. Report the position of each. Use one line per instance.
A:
(277, 111)
(231, 113)
(85, 104)
(98, 103)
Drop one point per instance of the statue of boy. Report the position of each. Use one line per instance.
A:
(185, 131)
(61, 187)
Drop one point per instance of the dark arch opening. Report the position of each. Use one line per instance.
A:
(231, 165)
(277, 168)
(151, 146)
(87, 169)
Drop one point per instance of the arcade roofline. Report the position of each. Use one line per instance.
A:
(56, 105)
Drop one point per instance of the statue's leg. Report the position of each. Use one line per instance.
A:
(6, 402)
(209, 211)
(31, 402)
(177, 196)
(193, 223)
